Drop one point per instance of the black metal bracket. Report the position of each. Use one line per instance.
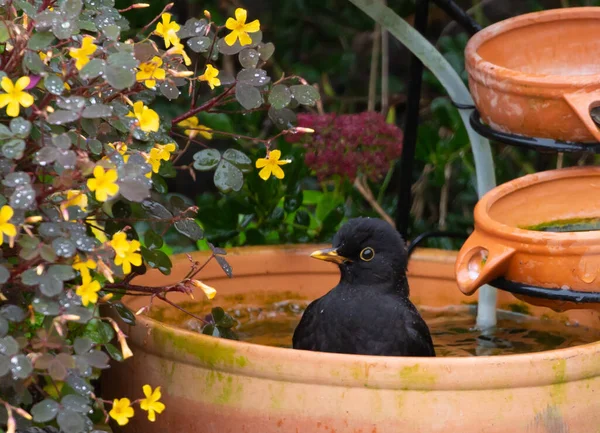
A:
(433, 234)
(542, 144)
(564, 295)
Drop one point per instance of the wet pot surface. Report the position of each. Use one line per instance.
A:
(216, 385)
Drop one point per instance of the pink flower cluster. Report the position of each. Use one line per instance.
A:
(349, 144)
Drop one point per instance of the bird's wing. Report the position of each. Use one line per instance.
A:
(305, 332)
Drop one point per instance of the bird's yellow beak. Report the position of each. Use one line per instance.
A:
(329, 255)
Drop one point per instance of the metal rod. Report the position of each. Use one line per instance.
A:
(411, 126)
(460, 16)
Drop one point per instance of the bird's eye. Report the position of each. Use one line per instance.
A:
(367, 254)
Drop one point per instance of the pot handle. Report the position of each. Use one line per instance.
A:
(581, 103)
(479, 261)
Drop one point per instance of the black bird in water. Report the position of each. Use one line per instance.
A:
(368, 312)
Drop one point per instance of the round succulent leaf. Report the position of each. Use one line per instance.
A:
(193, 27)
(13, 149)
(64, 27)
(248, 96)
(224, 264)
(206, 159)
(54, 84)
(20, 366)
(237, 158)
(76, 403)
(62, 272)
(112, 32)
(40, 41)
(32, 61)
(8, 346)
(283, 119)
(265, 51)
(305, 94)
(153, 240)
(45, 410)
(12, 313)
(190, 229)
(135, 189)
(92, 69)
(62, 141)
(253, 77)
(79, 385)
(199, 44)
(4, 365)
(280, 96)
(156, 210)
(228, 177)
(4, 274)
(5, 133)
(249, 58)
(71, 103)
(60, 117)
(71, 8)
(63, 247)
(50, 286)
(45, 306)
(84, 314)
(44, 20)
(23, 197)
(70, 421)
(97, 359)
(20, 127)
(96, 111)
(168, 90)
(82, 345)
(3, 326)
(119, 77)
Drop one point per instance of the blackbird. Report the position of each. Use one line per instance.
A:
(368, 312)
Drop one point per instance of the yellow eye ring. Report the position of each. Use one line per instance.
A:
(367, 254)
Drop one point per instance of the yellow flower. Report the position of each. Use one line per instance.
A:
(83, 267)
(82, 55)
(147, 118)
(239, 28)
(103, 183)
(97, 229)
(76, 198)
(126, 252)
(209, 291)
(154, 162)
(167, 30)
(210, 75)
(164, 151)
(15, 96)
(192, 122)
(6, 228)
(121, 411)
(150, 72)
(151, 403)
(179, 49)
(118, 146)
(270, 165)
(88, 290)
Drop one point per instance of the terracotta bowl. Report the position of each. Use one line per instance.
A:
(501, 246)
(212, 385)
(538, 74)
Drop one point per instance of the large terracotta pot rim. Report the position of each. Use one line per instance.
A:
(485, 223)
(556, 366)
(482, 67)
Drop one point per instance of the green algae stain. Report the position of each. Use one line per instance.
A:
(520, 308)
(277, 396)
(415, 375)
(211, 353)
(567, 225)
(558, 391)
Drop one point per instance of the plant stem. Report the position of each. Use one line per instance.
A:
(204, 107)
(374, 67)
(385, 87)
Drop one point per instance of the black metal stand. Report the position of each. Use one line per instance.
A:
(544, 293)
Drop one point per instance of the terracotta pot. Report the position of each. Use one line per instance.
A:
(501, 247)
(538, 75)
(221, 386)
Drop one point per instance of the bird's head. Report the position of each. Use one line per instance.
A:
(368, 251)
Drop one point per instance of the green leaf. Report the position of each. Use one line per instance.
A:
(159, 184)
(224, 264)
(4, 35)
(20, 127)
(45, 410)
(114, 352)
(190, 229)
(153, 240)
(13, 149)
(249, 58)
(82, 345)
(248, 96)
(60, 117)
(206, 159)
(237, 47)
(283, 119)
(54, 84)
(71, 8)
(305, 94)
(70, 422)
(112, 32)
(39, 41)
(280, 96)
(302, 218)
(333, 219)
(4, 274)
(253, 77)
(32, 61)
(237, 158)
(199, 44)
(92, 69)
(228, 177)
(98, 331)
(118, 77)
(123, 60)
(125, 313)
(157, 259)
(96, 111)
(266, 51)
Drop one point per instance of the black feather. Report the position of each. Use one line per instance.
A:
(368, 312)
